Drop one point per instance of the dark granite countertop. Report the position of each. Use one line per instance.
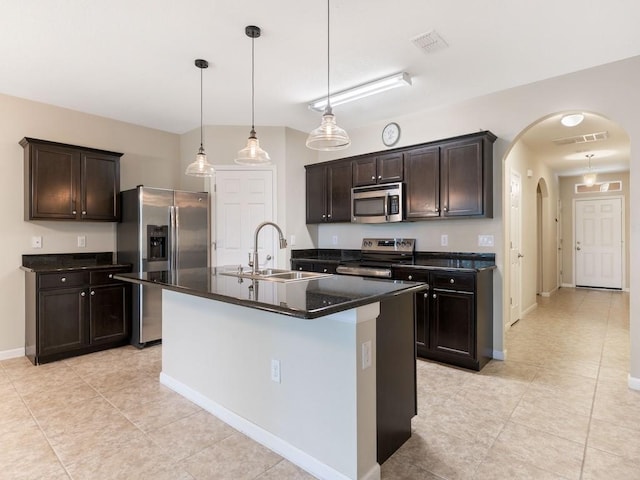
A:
(422, 260)
(61, 262)
(303, 299)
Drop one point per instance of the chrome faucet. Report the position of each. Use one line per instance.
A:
(253, 256)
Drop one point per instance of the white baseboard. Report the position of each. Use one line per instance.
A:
(15, 353)
(499, 354)
(634, 382)
(529, 310)
(262, 436)
(568, 285)
(548, 294)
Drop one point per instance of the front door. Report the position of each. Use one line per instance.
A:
(243, 199)
(598, 242)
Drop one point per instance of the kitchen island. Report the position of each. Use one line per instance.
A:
(321, 371)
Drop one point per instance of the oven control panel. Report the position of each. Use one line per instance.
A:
(382, 245)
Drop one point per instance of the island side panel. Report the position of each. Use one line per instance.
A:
(322, 415)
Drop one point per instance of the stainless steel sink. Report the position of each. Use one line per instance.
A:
(273, 274)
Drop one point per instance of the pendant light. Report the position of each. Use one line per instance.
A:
(589, 177)
(328, 136)
(200, 167)
(252, 154)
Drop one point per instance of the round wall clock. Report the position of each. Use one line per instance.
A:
(391, 134)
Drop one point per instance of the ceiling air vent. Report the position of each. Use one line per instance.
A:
(430, 42)
(586, 138)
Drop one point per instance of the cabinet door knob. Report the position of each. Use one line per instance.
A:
(111, 275)
(82, 294)
(63, 279)
(426, 295)
(324, 270)
(451, 280)
(329, 216)
(379, 177)
(93, 292)
(434, 295)
(410, 277)
(445, 209)
(373, 177)
(324, 216)
(84, 212)
(437, 210)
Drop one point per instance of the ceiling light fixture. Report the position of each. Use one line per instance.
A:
(328, 136)
(252, 154)
(200, 167)
(361, 91)
(572, 119)
(589, 177)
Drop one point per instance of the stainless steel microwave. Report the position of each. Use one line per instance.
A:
(377, 203)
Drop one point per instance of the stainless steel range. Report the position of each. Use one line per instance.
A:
(378, 255)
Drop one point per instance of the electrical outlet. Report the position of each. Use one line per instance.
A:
(334, 239)
(366, 354)
(275, 370)
(36, 242)
(82, 241)
(444, 240)
(485, 240)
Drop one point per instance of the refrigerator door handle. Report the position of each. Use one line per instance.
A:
(172, 238)
(176, 235)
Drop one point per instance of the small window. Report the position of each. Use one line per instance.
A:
(600, 187)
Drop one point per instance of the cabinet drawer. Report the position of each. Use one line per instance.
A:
(59, 280)
(453, 281)
(414, 275)
(102, 277)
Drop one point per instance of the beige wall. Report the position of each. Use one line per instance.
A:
(567, 197)
(149, 158)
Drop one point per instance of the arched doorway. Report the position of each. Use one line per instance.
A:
(543, 154)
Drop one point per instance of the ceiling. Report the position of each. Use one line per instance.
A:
(134, 61)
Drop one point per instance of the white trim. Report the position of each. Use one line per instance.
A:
(634, 382)
(499, 354)
(568, 285)
(15, 353)
(548, 294)
(305, 461)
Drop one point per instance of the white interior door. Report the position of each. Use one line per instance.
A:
(515, 255)
(598, 242)
(243, 199)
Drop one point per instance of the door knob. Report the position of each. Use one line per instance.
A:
(520, 255)
(577, 248)
(268, 257)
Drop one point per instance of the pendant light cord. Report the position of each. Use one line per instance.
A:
(253, 83)
(201, 116)
(328, 109)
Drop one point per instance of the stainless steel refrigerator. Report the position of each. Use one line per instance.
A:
(160, 231)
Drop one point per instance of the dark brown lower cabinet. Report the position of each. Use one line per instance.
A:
(454, 318)
(75, 312)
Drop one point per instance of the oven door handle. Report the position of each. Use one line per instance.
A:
(364, 271)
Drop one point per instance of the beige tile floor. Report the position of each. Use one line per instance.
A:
(558, 408)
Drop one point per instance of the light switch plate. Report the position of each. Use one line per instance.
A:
(444, 240)
(82, 241)
(485, 241)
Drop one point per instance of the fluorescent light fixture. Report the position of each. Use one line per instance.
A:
(572, 119)
(381, 85)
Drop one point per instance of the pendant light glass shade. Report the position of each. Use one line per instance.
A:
(328, 136)
(589, 177)
(200, 167)
(252, 154)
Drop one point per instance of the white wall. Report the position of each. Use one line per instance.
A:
(149, 157)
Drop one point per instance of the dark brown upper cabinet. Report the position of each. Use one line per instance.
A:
(450, 179)
(68, 182)
(381, 168)
(328, 192)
